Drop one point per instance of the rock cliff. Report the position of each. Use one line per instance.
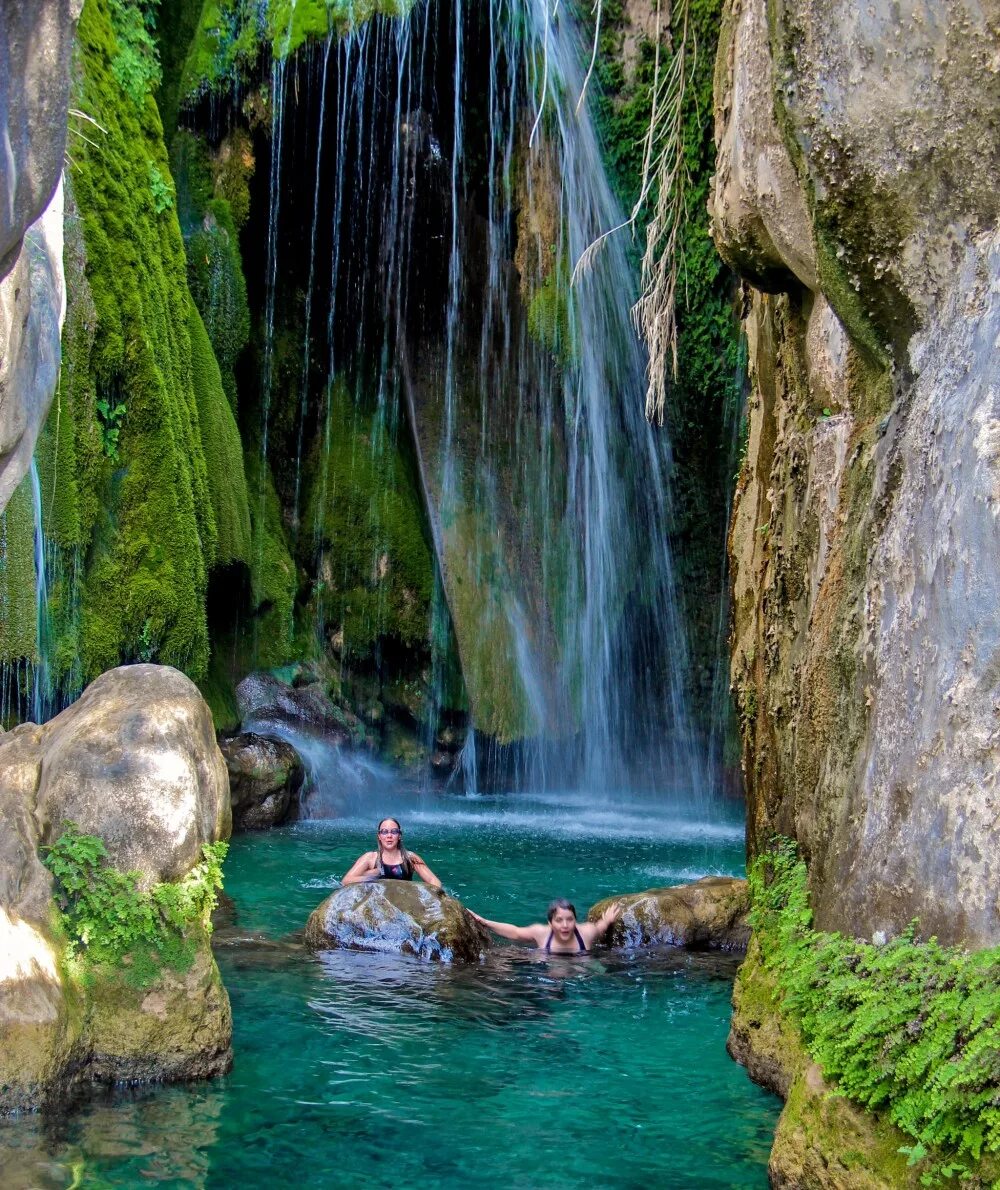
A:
(36, 41)
(856, 148)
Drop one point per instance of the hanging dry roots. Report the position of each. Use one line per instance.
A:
(664, 173)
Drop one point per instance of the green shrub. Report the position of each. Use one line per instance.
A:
(110, 920)
(909, 1028)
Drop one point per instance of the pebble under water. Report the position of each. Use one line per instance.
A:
(380, 1070)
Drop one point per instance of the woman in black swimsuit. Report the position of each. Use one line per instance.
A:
(562, 935)
(391, 861)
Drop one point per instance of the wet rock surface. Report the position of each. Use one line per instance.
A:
(135, 762)
(265, 777)
(263, 698)
(397, 917)
(708, 913)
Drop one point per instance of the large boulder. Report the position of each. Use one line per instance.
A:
(265, 776)
(135, 762)
(398, 917)
(711, 913)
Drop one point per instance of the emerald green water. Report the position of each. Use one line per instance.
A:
(386, 1071)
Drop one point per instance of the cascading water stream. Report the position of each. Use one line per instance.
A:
(546, 488)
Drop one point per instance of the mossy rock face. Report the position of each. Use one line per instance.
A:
(397, 917)
(711, 912)
(822, 1139)
(179, 1028)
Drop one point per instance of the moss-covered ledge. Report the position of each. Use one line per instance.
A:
(822, 1139)
(885, 1052)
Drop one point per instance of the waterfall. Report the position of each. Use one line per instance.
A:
(460, 186)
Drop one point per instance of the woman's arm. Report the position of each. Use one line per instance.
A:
(361, 869)
(424, 872)
(592, 930)
(514, 933)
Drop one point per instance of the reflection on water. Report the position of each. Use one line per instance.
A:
(558, 1071)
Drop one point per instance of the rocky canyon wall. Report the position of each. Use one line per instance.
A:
(36, 43)
(854, 193)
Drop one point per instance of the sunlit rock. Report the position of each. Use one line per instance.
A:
(265, 777)
(36, 42)
(398, 917)
(711, 912)
(135, 762)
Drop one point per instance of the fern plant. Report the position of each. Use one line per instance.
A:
(909, 1028)
(110, 920)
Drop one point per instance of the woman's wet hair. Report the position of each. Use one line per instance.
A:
(557, 904)
(404, 854)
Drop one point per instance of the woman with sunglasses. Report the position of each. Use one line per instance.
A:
(391, 861)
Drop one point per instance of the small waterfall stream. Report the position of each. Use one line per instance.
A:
(454, 186)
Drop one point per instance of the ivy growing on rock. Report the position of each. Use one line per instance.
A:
(109, 919)
(908, 1028)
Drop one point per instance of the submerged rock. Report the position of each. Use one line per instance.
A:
(135, 762)
(398, 917)
(265, 776)
(711, 912)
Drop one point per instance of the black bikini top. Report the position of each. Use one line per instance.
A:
(579, 939)
(394, 871)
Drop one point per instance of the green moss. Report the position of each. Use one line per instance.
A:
(223, 451)
(909, 1030)
(488, 649)
(145, 530)
(365, 529)
(550, 314)
(215, 269)
(18, 616)
(273, 577)
(111, 921)
(230, 34)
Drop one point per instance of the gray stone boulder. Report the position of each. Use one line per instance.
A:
(265, 699)
(134, 761)
(708, 913)
(265, 776)
(397, 917)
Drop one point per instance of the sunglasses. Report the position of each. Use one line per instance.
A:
(389, 830)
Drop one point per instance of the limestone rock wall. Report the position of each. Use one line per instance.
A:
(853, 192)
(36, 42)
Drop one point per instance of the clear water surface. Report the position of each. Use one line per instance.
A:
(377, 1070)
